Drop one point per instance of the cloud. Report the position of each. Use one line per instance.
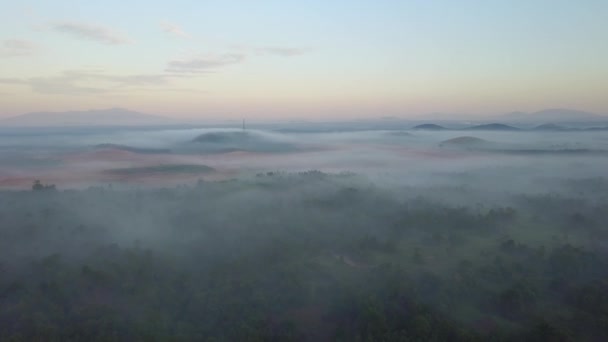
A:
(280, 51)
(86, 82)
(11, 80)
(204, 64)
(173, 29)
(18, 48)
(91, 32)
(61, 85)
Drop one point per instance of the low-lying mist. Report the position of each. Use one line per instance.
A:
(267, 235)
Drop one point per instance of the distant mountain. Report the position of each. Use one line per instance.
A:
(554, 115)
(99, 117)
(430, 127)
(493, 127)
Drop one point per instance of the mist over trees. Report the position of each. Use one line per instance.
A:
(306, 256)
(388, 236)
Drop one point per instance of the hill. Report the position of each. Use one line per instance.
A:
(225, 137)
(399, 134)
(465, 141)
(230, 141)
(429, 127)
(140, 150)
(493, 127)
(96, 117)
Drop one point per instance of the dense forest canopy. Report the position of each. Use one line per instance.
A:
(304, 256)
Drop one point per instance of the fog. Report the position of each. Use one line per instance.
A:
(275, 234)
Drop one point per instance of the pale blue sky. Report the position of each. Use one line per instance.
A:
(313, 59)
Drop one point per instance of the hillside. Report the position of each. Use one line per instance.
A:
(429, 127)
(230, 141)
(133, 149)
(493, 127)
(464, 141)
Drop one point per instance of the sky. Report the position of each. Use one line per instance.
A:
(314, 59)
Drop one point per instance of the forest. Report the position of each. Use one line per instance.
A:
(305, 256)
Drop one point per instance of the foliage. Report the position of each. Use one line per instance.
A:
(298, 257)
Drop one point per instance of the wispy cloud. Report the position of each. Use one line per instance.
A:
(91, 32)
(173, 29)
(204, 63)
(17, 48)
(11, 80)
(85, 82)
(280, 51)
